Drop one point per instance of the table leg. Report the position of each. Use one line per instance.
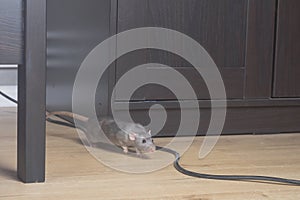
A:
(31, 95)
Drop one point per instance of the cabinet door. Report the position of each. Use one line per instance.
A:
(230, 31)
(74, 28)
(287, 60)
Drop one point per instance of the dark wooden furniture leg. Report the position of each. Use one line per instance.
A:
(31, 95)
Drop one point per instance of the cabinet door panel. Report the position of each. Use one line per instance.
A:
(287, 65)
(218, 25)
(155, 92)
(74, 28)
(238, 34)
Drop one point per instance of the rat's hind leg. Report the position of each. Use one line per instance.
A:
(125, 149)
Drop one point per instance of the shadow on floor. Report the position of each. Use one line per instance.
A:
(8, 173)
(102, 146)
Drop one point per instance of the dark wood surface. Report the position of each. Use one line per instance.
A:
(219, 26)
(74, 28)
(233, 79)
(243, 117)
(237, 34)
(11, 32)
(287, 57)
(32, 95)
(260, 45)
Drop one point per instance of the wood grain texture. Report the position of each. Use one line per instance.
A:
(73, 174)
(259, 58)
(241, 117)
(74, 28)
(233, 79)
(219, 26)
(287, 60)
(11, 32)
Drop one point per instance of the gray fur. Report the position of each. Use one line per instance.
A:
(125, 135)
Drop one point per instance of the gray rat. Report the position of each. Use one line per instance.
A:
(125, 135)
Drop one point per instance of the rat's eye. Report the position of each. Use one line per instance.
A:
(143, 141)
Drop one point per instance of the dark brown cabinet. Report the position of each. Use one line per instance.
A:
(253, 42)
(287, 56)
(217, 25)
(232, 31)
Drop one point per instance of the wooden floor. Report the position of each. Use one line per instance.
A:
(72, 173)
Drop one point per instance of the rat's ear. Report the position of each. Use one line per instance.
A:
(149, 132)
(132, 136)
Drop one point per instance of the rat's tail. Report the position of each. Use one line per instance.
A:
(67, 114)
